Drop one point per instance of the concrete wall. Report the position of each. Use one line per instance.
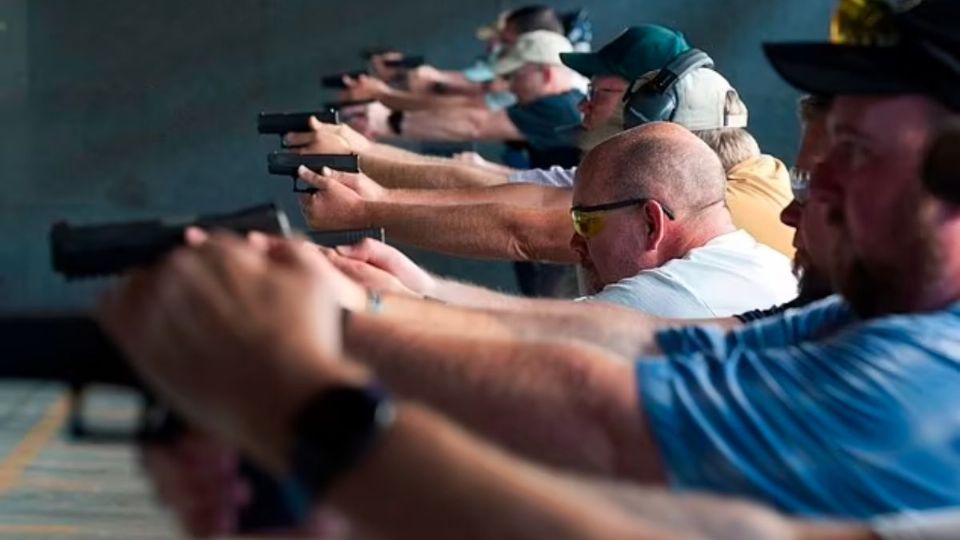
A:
(114, 109)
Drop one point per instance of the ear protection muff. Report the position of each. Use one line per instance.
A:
(656, 100)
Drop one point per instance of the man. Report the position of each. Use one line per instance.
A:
(757, 190)
(651, 231)
(478, 85)
(546, 101)
(378, 479)
(811, 239)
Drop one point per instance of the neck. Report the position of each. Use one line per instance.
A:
(695, 232)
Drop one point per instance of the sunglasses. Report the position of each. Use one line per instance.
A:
(867, 22)
(588, 221)
(800, 185)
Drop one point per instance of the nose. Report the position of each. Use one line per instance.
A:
(579, 245)
(790, 216)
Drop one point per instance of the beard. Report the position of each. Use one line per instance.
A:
(812, 283)
(874, 287)
(590, 139)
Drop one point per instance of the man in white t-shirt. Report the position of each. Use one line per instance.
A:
(651, 231)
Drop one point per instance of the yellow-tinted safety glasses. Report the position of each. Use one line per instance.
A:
(588, 221)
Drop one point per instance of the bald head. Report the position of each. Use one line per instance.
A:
(659, 160)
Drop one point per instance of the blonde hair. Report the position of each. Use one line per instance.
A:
(733, 145)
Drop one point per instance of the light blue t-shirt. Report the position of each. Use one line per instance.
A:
(813, 411)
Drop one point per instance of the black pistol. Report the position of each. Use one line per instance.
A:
(293, 122)
(335, 81)
(102, 250)
(286, 164)
(70, 348)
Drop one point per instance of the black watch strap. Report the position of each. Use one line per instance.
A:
(333, 432)
(395, 120)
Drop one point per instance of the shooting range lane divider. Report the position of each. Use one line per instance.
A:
(25, 453)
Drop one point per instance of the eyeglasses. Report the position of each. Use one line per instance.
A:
(588, 221)
(868, 22)
(800, 185)
(592, 91)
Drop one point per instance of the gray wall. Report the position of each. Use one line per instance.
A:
(117, 110)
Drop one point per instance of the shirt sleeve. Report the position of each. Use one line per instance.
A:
(835, 427)
(655, 293)
(553, 177)
(780, 330)
(546, 123)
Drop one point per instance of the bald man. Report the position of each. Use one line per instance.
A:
(652, 231)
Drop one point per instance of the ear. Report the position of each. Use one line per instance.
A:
(656, 221)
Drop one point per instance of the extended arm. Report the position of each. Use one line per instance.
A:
(566, 404)
(492, 231)
(462, 124)
(533, 195)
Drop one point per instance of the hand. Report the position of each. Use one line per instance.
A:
(363, 88)
(327, 139)
(390, 260)
(198, 478)
(367, 275)
(472, 158)
(219, 322)
(334, 206)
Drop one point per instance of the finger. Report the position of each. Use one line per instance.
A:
(298, 139)
(194, 236)
(372, 251)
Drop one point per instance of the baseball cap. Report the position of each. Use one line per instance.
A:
(880, 47)
(537, 47)
(701, 101)
(637, 50)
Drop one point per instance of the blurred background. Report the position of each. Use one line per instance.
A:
(119, 110)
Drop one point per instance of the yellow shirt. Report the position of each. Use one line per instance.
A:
(757, 190)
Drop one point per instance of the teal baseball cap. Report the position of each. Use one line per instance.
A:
(636, 51)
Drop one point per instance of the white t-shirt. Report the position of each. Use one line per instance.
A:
(733, 273)
(554, 176)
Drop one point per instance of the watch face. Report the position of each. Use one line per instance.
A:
(334, 431)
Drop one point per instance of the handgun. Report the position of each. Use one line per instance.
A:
(335, 81)
(287, 163)
(71, 349)
(293, 122)
(102, 250)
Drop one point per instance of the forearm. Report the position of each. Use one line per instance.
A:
(627, 333)
(486, 231)
(705, 516)
(474, 491)
(533, 195)
(565, 404)
(423, 172)
(400, 100)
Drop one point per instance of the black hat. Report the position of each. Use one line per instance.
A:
(880, 47)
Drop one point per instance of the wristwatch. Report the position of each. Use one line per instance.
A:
(333, 432)
(395, 121)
